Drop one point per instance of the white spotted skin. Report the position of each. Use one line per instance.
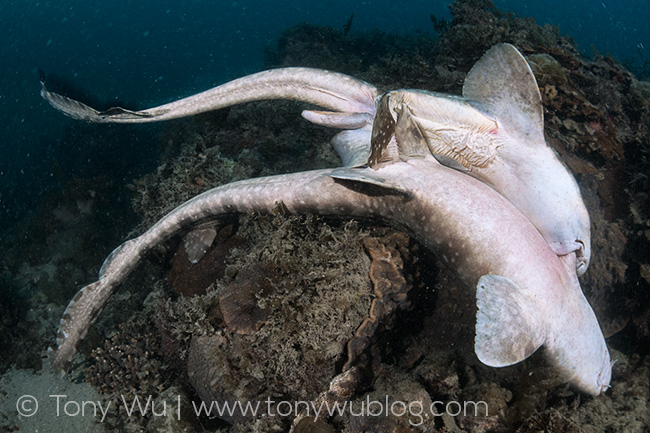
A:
(482, 233)
(518, 164)
(541, 187)
(463, 220)
(320, 87)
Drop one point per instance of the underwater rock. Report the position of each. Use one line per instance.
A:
(392, 406)
(128, 364)
(640, 92)
(212, 377)
(309, 312)
(179, 415)
(549, 421)
(312, 425)
(547, 70)
(292, 321)
(238, 300)
(199, 166)
(389, 285)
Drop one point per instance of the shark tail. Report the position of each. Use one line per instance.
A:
(341, 93)
(70, 333)
(80, 111)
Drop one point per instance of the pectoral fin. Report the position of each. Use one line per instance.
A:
(451, 163)
(508, 325)
(353, 146)
(504, 86)
(336, 119)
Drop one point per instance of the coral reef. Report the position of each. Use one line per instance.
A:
(194, 279)
(303, 308)
(289, 316)
(297, 301)
(127, 362)
(389, 254)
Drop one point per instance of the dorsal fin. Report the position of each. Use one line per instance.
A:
(503, 86)
(198, 241)
(383, 147)
(370, 177)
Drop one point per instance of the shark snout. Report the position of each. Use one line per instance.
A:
(605, 375)
(598, 383)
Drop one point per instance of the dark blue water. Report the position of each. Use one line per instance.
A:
(142, 53)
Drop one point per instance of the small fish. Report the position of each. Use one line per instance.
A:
(348, 25)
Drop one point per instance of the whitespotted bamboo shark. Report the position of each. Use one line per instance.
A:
(494, 132)
(528, 296)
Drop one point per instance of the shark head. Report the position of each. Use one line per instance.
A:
(580, 349)
(595, 373)
(514, 321)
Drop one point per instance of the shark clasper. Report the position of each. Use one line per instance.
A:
(494, 132)
(528, 297)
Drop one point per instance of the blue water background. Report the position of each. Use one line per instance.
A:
(143, 53)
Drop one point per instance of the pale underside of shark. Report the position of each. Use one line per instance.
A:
(494, 132)
(528, 297)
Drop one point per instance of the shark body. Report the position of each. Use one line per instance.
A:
(494, 132)
(527, 296)
(515, 230)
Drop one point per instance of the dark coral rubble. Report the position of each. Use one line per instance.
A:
(313, 309)
(300, 305)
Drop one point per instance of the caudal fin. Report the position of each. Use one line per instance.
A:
(79, 315)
